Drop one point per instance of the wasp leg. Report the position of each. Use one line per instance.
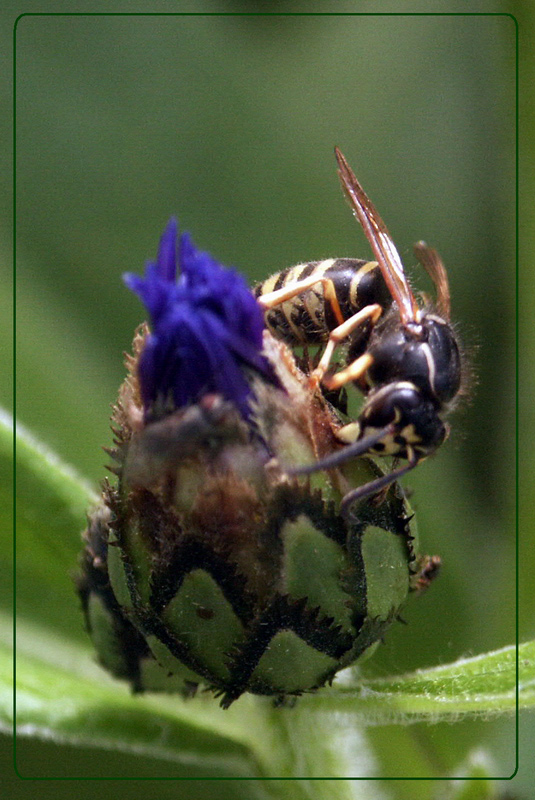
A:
(272, 299)
(370, 313)
(353, 372)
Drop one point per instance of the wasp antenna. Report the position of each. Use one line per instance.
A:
(380, 240)
(349, 452)
(373, 487)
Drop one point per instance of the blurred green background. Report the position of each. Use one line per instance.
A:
(229, 123)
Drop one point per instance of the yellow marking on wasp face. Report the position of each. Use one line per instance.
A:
(391, 447)
(410, 435)
(348, 433)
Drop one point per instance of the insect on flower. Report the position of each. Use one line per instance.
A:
(403, 357)
(205, 564)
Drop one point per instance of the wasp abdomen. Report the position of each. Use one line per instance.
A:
(309, 316)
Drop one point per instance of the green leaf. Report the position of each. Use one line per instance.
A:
(51, 505)
(483, 685)
(64, 697)
(56, 703)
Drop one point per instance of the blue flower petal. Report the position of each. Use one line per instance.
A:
(206, 328)
(167, 252)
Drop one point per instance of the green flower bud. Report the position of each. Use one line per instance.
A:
(207, 564)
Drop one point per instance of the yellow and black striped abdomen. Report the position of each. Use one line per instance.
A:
(309, 317)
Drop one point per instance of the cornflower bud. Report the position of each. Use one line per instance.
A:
(206, 563)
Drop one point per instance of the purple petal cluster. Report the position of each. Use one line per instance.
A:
(206, 328)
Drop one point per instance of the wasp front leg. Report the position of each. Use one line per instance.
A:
(357, 368)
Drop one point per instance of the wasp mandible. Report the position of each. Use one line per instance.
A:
(402, 354)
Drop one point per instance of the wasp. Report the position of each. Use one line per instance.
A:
(402, 353)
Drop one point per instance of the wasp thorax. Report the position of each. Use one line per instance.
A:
(426, 354)
(206, 564)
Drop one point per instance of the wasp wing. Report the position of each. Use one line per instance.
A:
(432, 263)
(380, 240)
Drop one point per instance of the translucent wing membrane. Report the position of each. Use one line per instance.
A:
(380, 240)
(432, 263)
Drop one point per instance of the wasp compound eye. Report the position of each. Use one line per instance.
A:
(207, 563)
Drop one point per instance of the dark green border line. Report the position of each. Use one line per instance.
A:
(265, 14)
(14, 229)
(517, 392)
(271, 14)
